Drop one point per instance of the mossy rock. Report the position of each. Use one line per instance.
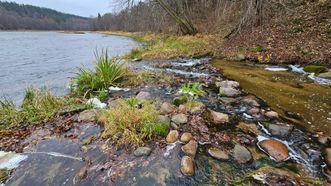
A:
(315, 69)
(180, 100)
(4, 173)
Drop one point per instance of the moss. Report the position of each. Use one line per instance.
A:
(315, 69)
(180, 100)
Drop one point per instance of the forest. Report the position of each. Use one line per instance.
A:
(18, 16)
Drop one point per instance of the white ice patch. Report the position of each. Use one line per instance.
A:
(96, 103)
(264, 129)
(319, 80)
(118, 89)
(247, 116)
(170, 147)
(56, 154)
(276, 69)
(297, 69)
(11, 160)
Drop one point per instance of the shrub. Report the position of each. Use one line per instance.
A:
(130, 124)
(107, 72)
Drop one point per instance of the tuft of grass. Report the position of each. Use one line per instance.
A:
(102, 94)
(194, 89)
(107, 72)
(39, 105)
(131, 124)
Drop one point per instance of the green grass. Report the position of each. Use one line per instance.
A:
(194, 89)
(131, 124)
(107, 72)
(39, 105)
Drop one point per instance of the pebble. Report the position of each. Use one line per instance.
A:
(142, 151)
(241, 154)
(190, 149)
(179, 119)
(187, 166)
(186, 137)
(218, 153)
(172, 136)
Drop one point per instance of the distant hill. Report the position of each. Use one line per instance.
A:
(20, 16)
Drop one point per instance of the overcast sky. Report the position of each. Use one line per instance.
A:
(85, 8)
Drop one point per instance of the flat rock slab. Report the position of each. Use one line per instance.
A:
(276, 149)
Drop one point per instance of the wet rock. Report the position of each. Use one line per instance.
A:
(294, 115)
(218, 154)
(179, 119)
(254, 111)
(249, 128)
(163, 119)
(190, 149)
(187, 166)
(167, 108)
(280, 129)
(327, 157)
(251, 101)
(241, 154)
(276, 149)
(87, 115)
(186, 137)
(229, 92)
(326, 75)
(271, 114)
(172, 136)
(180, 100)
(144, 96)
(228, 101)
(219, 118)
(227, 84)
(142, 151)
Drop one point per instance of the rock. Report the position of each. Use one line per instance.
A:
(251, 101)
(271, 114)
(323, 140)
(240, 57)
(187, 166)
(144, 96)
(327, 157)
(228, 101)
(179, 119)
(180, 100)
(229, 92)
(87, 115)
(114, 102)
(82, 174)
(96, 103)
(218, 154)
(326, 75)
(294, 115)
(219, 118)
(142, 151)
(172, 136)
(167, 108)
(249, 128)
(227, 84)
(241, 154)
(276, 149)
(254, 111)
(315, 69)
(4, 174)
(190, 149)
(186, 137)
(182, 109)
(163, 119)
(173, 125)
(280, 129)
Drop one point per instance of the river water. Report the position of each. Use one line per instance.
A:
(50, 58)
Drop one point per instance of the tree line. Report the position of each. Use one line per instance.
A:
(193, 16)
(18, 16)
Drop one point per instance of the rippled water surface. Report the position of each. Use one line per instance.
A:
(50, 58)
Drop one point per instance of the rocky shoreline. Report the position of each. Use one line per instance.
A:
(223, 136)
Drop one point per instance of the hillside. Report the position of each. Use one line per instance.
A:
(20, 16)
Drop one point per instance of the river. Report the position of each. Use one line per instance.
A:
(50, 58)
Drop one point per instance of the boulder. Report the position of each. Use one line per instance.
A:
(87, 115)
(163, 119)
(187, 166)
(179, 119)
(167, 108)
(219, 118)
(142, 151)
(271, 114)
(227, 84)
(186, 137)
(280, 129)
(218, 153)
(172, 136)
(241, 154)
(248, 128)
(229, 92)
(143, 96)
(191, 148)
(276, 149)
